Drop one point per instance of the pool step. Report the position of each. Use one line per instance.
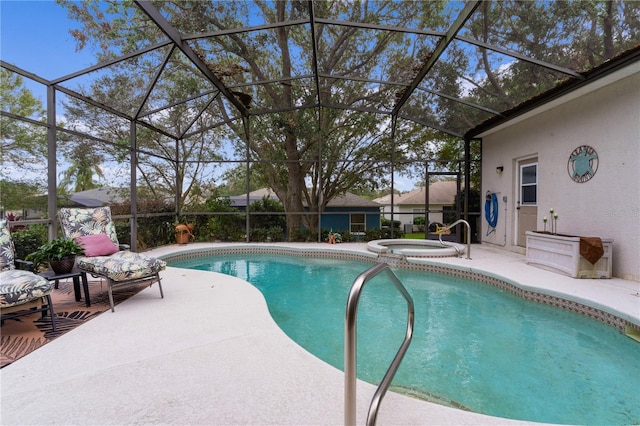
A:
(429, 397)
(632, 332)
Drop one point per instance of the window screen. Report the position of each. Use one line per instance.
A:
(529, 184)
(358, 222)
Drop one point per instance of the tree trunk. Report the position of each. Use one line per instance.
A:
(607, 29)
(295, 186)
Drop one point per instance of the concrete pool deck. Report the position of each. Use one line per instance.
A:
(209, 353)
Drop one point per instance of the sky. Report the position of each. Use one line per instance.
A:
(34, 36)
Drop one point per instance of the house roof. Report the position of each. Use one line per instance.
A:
(98, 196)
(347, 200)
(351, 200)
(440, 192)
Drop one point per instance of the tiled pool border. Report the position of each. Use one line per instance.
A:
(608, 318)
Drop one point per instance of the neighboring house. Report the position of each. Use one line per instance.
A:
(578, 154)
(98, 197)
(90, 198)
(240, 201)
(347, 212)
(351, 212)
(410, 205)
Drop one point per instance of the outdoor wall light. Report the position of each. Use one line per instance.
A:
(499, 169)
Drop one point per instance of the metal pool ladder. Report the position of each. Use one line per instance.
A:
(350, 345)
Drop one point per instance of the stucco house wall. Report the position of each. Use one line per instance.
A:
(605, 116)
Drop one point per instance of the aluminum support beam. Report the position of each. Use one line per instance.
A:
(133, 188)
(52, 171)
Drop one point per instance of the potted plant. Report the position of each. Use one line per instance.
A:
(183, 231)
(60, 254)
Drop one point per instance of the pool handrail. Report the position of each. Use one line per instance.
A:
(350, 337)
(448, 227)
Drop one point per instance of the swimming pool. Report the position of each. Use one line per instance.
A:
(475, 347)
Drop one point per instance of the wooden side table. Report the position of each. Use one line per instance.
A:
(76, 274)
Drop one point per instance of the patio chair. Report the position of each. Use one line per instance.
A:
(22, 292)
(94, 229)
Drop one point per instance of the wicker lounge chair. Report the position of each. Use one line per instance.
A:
(94, 229)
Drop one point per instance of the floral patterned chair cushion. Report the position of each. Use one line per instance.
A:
(80, 222)
(121, 269)
(7, 252)
(122, 266)
(18, 287)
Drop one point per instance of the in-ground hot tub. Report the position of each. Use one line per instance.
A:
(416, 248)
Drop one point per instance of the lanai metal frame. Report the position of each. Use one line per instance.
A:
(176, 41)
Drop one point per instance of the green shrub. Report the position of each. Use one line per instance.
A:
(302, 235)
(386, 223)
(378, 234)
(347, 237)
(267, 220)
(29, 239)
(153, 231)
(420, 223)
(273, 234)
(226, 226)
(230, 227)
(373, 234)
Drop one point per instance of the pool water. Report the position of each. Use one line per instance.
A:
(474, 347)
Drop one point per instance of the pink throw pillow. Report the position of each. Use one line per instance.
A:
(97, 245)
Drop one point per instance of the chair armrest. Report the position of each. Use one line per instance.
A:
(24, 264)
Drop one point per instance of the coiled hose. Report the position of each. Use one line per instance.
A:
(491, 212)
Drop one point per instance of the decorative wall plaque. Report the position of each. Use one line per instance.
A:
(583, 163)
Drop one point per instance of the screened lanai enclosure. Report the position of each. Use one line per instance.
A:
(192, 105)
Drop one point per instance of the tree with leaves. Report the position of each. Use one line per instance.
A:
(307, 156)
(23, 147)
(79, 176)
(310, 154)
(575, 34)
(23, 143)
(165, 166)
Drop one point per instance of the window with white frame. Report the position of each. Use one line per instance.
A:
(529, 184)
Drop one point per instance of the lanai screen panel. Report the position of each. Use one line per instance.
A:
(23, 149)
(179, 96)
(364, 55)
(304, 74)
(121, 86)
(576, 35)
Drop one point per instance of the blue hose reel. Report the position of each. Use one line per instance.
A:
(491, 211)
